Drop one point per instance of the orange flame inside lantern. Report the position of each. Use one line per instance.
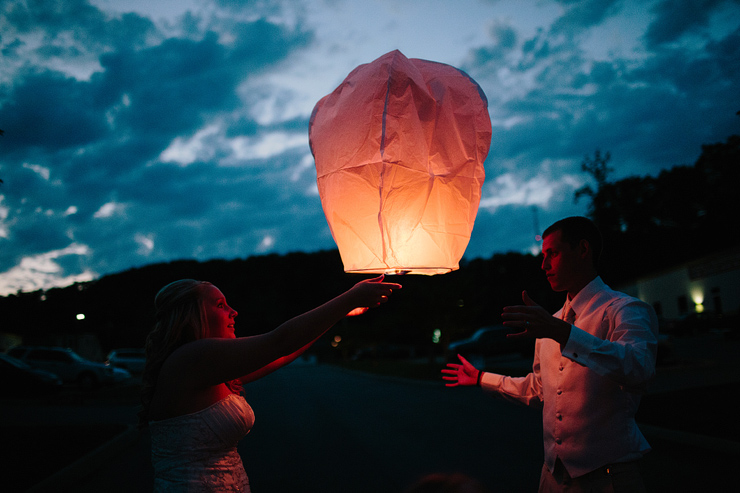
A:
(399, 149)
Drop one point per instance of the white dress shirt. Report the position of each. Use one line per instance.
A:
(590, 391)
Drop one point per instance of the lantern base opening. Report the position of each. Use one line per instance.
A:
(426, 271)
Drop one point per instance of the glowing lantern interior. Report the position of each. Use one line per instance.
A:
(399, 149)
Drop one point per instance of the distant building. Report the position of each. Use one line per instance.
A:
(707, 285)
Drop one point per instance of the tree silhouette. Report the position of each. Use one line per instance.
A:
(598, 168)
(650, 223)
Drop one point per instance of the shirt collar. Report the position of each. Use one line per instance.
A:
(579, 302)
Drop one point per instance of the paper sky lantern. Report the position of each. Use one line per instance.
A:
(399, 149)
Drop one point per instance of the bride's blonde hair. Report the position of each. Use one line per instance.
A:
(179, 319)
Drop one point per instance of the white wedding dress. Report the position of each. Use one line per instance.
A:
(197, 452)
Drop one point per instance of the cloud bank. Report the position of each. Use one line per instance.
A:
(137, 133)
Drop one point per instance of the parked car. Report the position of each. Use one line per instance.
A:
(384, 352)
(492, 341)
(18, 379)
(132, 360)
(70, 366)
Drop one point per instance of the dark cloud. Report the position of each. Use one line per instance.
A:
(51, 16)
(692, 95)
(725, 54)
(674, 18)
(634, 110)
(80, 155)
(243, 126)
(10, 50)
(543, 47)
(262, 43)
(26, 233)
(48, 110)
(583, 14)
(267, 7)
(79, 20)
(186, 192)
(168, 88)
(204, 211)
(504, 40)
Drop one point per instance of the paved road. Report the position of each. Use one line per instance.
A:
(336, 431)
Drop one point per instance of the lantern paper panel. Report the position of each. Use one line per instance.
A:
(399, 149)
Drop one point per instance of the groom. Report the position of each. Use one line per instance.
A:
(593, 360)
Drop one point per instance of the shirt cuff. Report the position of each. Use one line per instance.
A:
(579, 345)
(491, 381)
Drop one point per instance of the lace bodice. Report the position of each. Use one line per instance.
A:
(197, 452)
